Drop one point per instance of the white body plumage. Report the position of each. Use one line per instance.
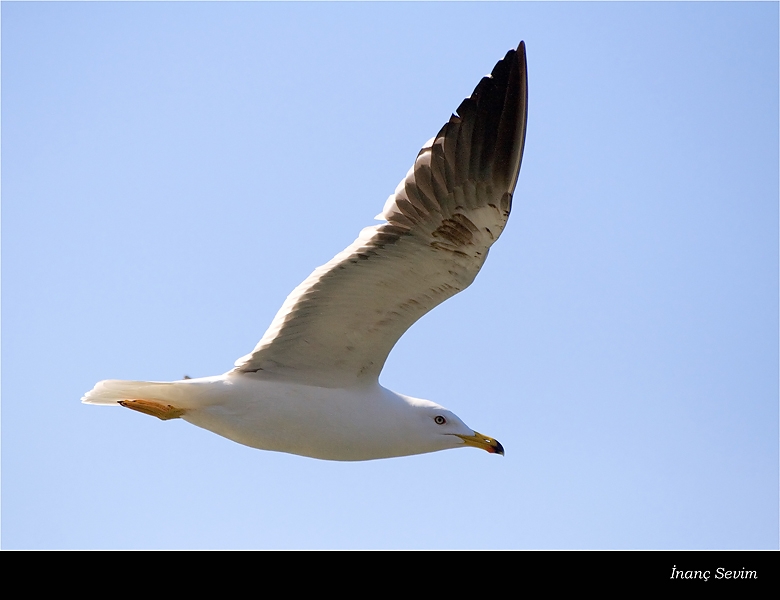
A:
(359, 423)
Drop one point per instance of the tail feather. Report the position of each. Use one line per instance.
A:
(111, 391)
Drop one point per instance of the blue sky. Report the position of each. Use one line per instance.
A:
(171, 171)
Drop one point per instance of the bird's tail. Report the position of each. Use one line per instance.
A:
(113, 391)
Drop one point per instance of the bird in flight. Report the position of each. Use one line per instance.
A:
(311, 385)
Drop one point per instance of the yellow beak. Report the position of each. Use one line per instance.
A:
(482, 441)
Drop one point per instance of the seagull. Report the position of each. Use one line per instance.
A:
(311, 385)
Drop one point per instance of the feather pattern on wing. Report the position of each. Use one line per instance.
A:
(338, 327)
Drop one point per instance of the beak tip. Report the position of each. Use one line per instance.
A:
(499, 448)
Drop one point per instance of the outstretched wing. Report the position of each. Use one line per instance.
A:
(339, 325)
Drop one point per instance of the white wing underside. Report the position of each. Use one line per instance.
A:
(337, 328)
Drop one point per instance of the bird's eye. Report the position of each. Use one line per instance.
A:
(439, 420)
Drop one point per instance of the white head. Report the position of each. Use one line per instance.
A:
(437, 428)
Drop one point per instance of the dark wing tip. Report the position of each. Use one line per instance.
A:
(482, 143)
(495, 118)
(511, 75)
(522, 109)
